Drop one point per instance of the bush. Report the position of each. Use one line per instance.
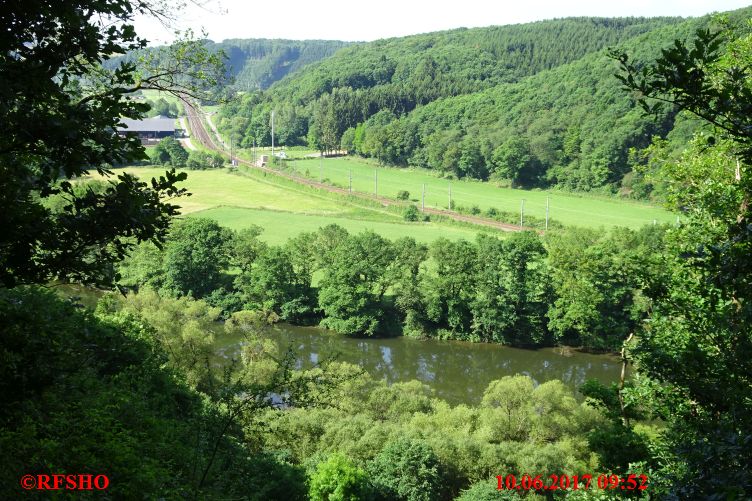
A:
(403, 195)
(411, 213)
(169, 152)
(338, 479)
(407, 470)
(487, 490)
(199, 160)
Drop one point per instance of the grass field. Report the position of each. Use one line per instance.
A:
(591, 211)
(211, 188)
(285, 210)
(280, 226)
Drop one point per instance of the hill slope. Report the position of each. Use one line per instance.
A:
(258, 63)
(401, 73)
(533, 104)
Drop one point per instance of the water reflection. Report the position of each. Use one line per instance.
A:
(458, 371)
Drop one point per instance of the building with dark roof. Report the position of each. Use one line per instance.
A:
(149, 130)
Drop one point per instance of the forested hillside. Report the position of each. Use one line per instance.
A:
(418, 69)
(258, 63)
(533, 105)
(401, 73)
(255, 63)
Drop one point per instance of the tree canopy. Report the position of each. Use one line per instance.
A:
(698, 343)
(60, 109)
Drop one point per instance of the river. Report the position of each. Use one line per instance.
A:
(458, 371)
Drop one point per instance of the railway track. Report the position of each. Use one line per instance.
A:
(201, 135)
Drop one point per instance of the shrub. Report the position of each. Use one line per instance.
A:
(407, 470)
(487, 490)
(411, 213)
(338, 479)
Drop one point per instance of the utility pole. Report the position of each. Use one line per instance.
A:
(450, 195)
(350, 176)
(321, 168)
(522, 212)
(376, 183)
(547, 205)
(423, 200)
(272, 136)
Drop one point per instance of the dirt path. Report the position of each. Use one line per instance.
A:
(204, 138)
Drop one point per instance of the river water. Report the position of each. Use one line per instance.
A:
(458, 371)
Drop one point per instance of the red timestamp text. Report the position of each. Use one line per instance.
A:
(571, 482)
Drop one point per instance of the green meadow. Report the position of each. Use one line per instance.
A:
(281, 226)
(285, 209)
(569, 209)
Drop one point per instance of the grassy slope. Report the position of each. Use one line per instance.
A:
(568, 209)
(281, 226)
(237, 201)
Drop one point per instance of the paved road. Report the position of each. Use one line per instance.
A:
(203, 137)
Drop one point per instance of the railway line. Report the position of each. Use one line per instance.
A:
(202, 136)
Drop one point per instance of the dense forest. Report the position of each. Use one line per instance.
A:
(533, 105)
(252, 64)
(133, 391)
(394, 76)
(258, 63)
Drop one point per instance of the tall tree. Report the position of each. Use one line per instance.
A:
(354, 284)
(274, 286)
(449, 288)
(60, 109)
(698, 343)
(196, 255)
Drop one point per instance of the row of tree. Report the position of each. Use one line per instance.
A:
(578, 286)
(170, 152)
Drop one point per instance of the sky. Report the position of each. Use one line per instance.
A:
(365, 20)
